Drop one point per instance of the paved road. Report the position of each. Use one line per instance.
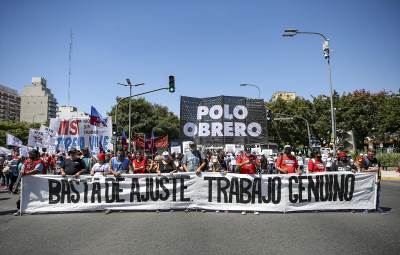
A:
(206, 233)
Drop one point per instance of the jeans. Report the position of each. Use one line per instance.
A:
(13, 179)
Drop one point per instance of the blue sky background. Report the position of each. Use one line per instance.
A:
(210, 46)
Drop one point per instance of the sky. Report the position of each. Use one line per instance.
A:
(210, 46)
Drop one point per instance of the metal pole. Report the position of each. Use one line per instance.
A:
(124, 98)
(333, 117)
(116, 128)
(293, 32)
(130, 101)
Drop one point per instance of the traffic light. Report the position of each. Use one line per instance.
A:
(114, 129)
(171, 84)
(325, 47)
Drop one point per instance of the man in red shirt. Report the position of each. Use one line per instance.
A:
(315, 164)
(247, 163)
(287, 163)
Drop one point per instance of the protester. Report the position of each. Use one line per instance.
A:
(271, 164)
(2, 176)
(232, 162)
(193, 161)
(329, 162)
(119, 164)
(59, 161)
(300, 162)
(33, 165)
(140, 164)
(13, 165)
(101, 167)
(263, 164)
(247, 163)
(87, 159)
(219, 164)
(315, 164)
(370, 164)
(73, 165)
(165, 164)
(286, 163)
(178, 162)
(343, 163)
(6, 171)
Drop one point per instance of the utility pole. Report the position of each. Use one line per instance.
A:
(130, 85)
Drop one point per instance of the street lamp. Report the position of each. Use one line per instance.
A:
(252, 85)
(287, 117)
(325, 47)
(130, 85)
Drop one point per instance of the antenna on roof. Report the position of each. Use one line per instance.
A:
(69, 69)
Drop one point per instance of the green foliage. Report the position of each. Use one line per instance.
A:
(389, 159)
(18, 129)
(374, 115)
(145, 116)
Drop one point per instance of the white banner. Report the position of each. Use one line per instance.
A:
(210, 191)
(176, 149)
(79, 133)
(36, 138)
(13, 141)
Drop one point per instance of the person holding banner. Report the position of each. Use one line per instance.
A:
(33, 165)
(119, 164)
(287, 163)
(193, 161)
(101, 167)
(315, 164)
(165, 165)
(343, 163)
(88, 160)
(140, 163)
(247, 163)
(73, 165)
(370, 164)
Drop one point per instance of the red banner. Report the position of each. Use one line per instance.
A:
(149, 144)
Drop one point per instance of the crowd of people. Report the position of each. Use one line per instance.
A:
(81, 162)
(78, 162)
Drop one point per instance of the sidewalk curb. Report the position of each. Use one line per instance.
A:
(390, 178)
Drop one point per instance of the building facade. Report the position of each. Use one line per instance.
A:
(38, 104)
(68, 112)
(288, 96)
(10, 104)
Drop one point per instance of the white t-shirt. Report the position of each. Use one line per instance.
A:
(100, 168)
(300, 161)
(233, 160)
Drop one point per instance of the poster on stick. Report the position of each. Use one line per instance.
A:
(79, 133)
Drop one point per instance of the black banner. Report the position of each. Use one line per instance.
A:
(223, 120)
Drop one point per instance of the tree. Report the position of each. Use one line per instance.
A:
(16, 128)
(373, 115)
(146, 116)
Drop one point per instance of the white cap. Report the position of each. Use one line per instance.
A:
(165, 153)
(287, 146)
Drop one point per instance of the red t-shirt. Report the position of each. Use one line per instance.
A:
(247, 168)
(288, 163)
(137, 165)
(315, 165)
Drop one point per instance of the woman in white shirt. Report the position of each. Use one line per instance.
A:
(101, 167)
